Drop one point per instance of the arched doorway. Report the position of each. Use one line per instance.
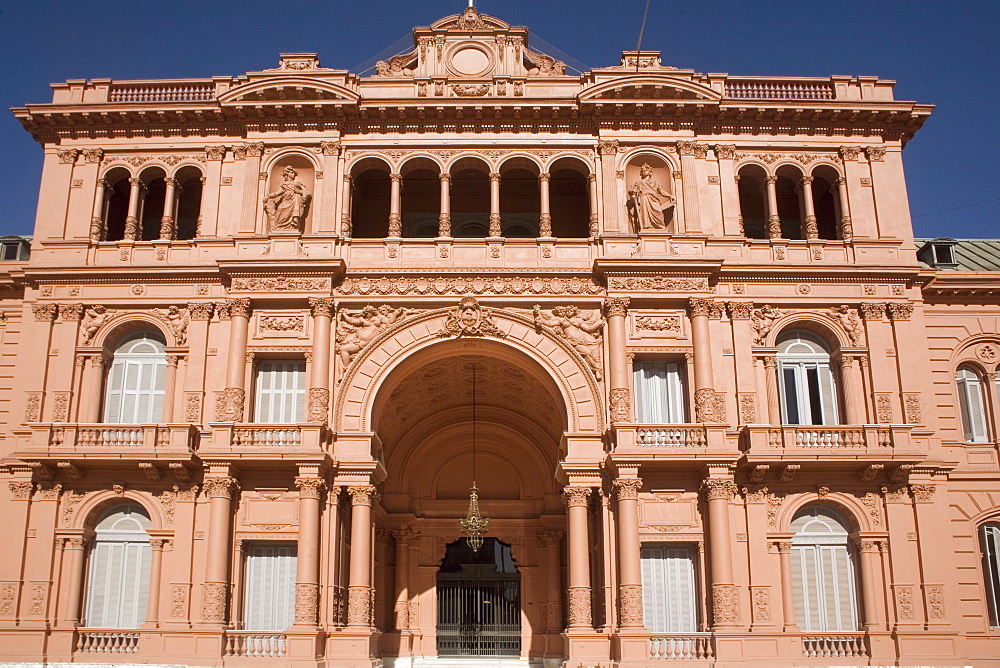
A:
(478, 601)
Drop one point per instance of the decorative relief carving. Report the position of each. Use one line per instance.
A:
(33, 407)
(900, 310)
(577, 496)
(269, 323)
(584, 332)
(616, 306)
(620, 401)
(93, 155)
(922, 493)
(310, 487)
(579, 606)
(462, 285)
(850, 153)
(762, 320)
(627, 488)
(724, 604)
(220, 488)
(470, 319)
(911, 407)
(45, 312)
(307, 604)
(848, 319)
(20, 490)
(873, 503)
(213, 601)
(39, 594)
(321, 306)
(670, 323)
(319, 404)
(748, 408)
(361, 495)
(280, 284)
(872, 310)
(707, 407)
(356, 329)
(630, 605)
(883, 407)
(178, 601)
(470, 90)
(358, 606)
(935, 601)
(718, 488)
(904, 601)
(761, 605)
(230, 404)
(8, 599)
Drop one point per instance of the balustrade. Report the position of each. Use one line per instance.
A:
(107, 642)
(697, 646)
(255, 643)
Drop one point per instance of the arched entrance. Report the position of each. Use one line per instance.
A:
(478, 601)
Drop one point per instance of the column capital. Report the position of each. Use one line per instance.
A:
(544, 177)
(404, 535)
(444, 177)
(577, 496)
(627, 488)
(740, 310)
(310, 487)
(872, 310)
(770, 179)
(494, 177)
(170, 181)
(322, 306)
(784, 546)
(699, 306)
(396, 177)
(362, 495)
(923, 493)
(718, 488)
(331, 148)
(238, 307)
(220, 488)
(806, 180)
(900, 310)
(725, 151)
(616, 306)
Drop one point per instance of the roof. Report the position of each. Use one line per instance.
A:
(970, 254)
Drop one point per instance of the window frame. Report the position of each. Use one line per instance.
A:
(817, 551)
(296, 393)
(147, 366)
(285, 555)
(692, 578)
(991, 569)
(813, 380)
(134, 554)
(971, 432)
(673, 393)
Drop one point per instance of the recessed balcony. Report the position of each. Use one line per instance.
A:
(870, 443)
(266, 441)
(675, 442)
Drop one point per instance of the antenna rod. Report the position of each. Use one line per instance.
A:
(472, 4)
(473, 417)
(638, 44)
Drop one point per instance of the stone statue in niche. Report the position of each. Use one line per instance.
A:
(647, 202)
(584, 332)
(286, 206)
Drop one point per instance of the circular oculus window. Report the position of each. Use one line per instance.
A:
(470, 61)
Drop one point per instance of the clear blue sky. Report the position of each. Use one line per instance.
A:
(943, 53)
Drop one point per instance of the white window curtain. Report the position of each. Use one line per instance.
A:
(118, 577)
(989, 543)
(823, 573)
(269, 601)
(659, 392)
(668, 589)
(808, 388)
(280, 392)
(136, 381)
(970, 400)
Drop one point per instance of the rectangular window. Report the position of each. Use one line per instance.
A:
(269, 601)
(823, 588)
(281, 392)
(668, 589)
(659, 392)
(118, 586)
(989, 536)
(973, 407)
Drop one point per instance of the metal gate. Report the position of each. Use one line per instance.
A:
(479, 616)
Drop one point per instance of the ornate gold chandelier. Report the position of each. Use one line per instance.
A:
(474, 525)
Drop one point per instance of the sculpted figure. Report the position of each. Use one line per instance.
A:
(177, 320)
(848, 318)
(356, 330)
(286, 206)
(762, 321)
(583, 333)
(647, 200)
(93, 319)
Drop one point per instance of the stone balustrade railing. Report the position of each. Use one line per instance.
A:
(695, 646)
(255, 643)
(178, 92)
(107, 642)
(95, 441)
(834, 645)
(763, 89)
(848, 440)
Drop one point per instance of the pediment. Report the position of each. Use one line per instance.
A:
(648, 87)
(288, 89)
(469, 20)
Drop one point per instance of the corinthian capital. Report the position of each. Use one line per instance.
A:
(616, 306)
(719, 488)
(577, 496)
(628, 488)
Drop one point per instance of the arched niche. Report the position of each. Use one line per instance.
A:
(420, 197)
(116, 201)
(569, 198)
(153, 202)
(370, 193)
(753, 200)
(190, 184)
(520, 198)
(826, 201)
(291, 187)
(470, 197)
(650, 197)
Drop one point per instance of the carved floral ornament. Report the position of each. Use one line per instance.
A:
(471, 284)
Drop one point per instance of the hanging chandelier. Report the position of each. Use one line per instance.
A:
(474, 525)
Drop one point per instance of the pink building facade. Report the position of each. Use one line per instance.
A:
(672, 325)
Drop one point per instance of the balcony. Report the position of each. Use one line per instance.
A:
(266, 441)
(116, 442)
(868, 443)
(674, 442)
(107, 641)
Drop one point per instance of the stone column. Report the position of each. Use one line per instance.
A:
(132, 219)
(98, 230)
(592, 186)
(704, 384)
(720, 492)
(771, 378)
(359, 611)
(495, 228)
(689, 152)
(168, 227)
(846, 227)
(169, 389)
(91, 389)
(618, 366)
(773, 220)
(629, 565)
(545, 215)
(75, 549)
(444, 218)
(579, 557)
(809, 229)
(155, 571)
(319, 384)
(787, 595)
(854, 411)
(869, 594)
(216, 589)
(239, 324)
(395, 221)
(552, 619)
(345, 208)
(307, 553)
(401, 610)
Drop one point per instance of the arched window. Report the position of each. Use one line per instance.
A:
(153, 203)
(823, 572)
(118, 578)
(753, 203)
(989, 545)
(569, 199)
(808, 388)
(370, 199)
(188, 207)
(136, 380)
(116, 201)
(970, 401)
(420, 198)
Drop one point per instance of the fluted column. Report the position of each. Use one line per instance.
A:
(239, 324)
(403, 538)
(444, 218)
(592, 187)
(846, 226)
(168, 226)
(629, 565)
(618, 367)
(552, 619)
(155, 575)
(704, 383)
(579, 557)
(319, 383)
(216, 589)
(359, 608)
(720, 492)
(771, 378)
(98, 229)
(169, 389)
(869, 594)
(787, 591)
(91, 389)
(307, 553)
(132, 219)
(345, 208)
(545, 215)
(809, 229)
(395, 221)
(773, 220)
(495, 229)
(75, 548)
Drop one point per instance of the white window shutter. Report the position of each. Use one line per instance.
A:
(136, 382)
(668, 591)
(989, 536)
(828, 395)
(970, 398)
(280, 392)
(269, 600)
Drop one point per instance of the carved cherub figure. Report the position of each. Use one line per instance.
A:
(355, 330)
(763, 320)
(849, 320)
(93, 319)
(177, 320)
(583, 333)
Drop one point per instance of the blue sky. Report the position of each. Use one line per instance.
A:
(942, 53)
